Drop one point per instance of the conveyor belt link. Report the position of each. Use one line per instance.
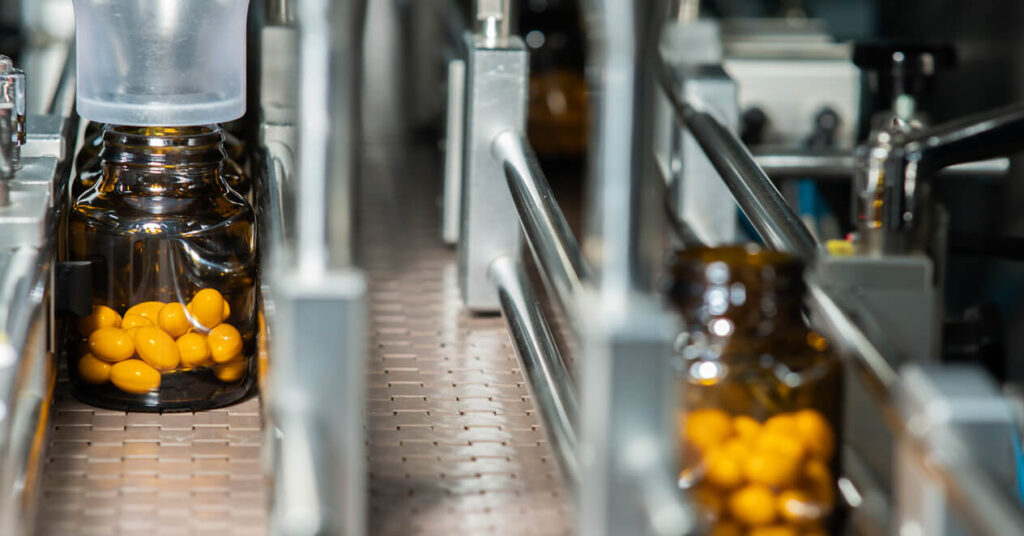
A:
(109, 473)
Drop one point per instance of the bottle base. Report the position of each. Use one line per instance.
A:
(194, 390)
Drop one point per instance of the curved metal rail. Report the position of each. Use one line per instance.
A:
(759, 199)
(549, 379)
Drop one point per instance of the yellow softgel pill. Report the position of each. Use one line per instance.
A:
(157, 348)
(225, 343)
(149, 309)
(753, 505)
(231, 371)
(111, 344)
(207, 307)
(134, 376)
(226, 312)
(93, 370)
(135, 321)
(194, 350)
(816, 433)
(173, 318)
(101, 317)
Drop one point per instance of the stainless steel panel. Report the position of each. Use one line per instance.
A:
(496, 91)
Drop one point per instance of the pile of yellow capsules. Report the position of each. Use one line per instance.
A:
(155, 338)
(761, 479)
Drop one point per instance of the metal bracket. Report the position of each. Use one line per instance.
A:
(496, 93)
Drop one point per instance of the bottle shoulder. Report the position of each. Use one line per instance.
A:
(162, 215)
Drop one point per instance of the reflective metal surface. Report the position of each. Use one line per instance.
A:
(551, 240)
(541, 361)
(496, 91)
(754, 192)
(315, 298)
(626, 433)
(696, 195)
(454, 147)
(841, 165)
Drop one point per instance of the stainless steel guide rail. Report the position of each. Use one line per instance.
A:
(551, 384)
(550, 237)
(767, 210)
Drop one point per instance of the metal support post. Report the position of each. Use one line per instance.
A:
(316, 300)
(317, 382)
(628, 483)
(496, 92)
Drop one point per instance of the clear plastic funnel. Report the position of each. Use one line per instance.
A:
(161, 62)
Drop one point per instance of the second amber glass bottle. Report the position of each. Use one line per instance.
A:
(761, 393)
(172, 250)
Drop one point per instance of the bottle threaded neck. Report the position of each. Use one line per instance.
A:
(756, 290)
(163, 146)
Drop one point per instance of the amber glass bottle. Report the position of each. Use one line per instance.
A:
(760, 394)
(172, 249)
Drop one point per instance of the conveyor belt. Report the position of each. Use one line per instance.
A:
(455, 445)
(109, 473)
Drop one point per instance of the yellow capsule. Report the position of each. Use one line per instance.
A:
(226, 312)
(231, 371)
(134, 376)
(135, 321)
(101, 317)
(174, 319)
(207, 307)
(157, 348)
(148, 309)
(225, 343)
(93, 370)
(194, 350)
(111, 344)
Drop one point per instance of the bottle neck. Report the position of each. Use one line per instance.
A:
(730, 294)
(735, 311)
(162, 161)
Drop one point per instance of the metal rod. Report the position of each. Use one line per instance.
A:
(551, 239)
(762, 203)
(542, 363)
(314, 135)
(841, 165)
